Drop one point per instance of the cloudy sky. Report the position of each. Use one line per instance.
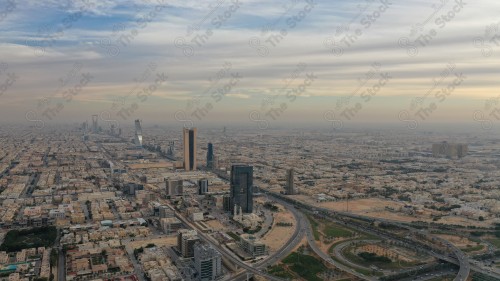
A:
(260, 62)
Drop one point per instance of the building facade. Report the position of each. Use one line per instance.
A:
(210, 156)
(202, 186)
(174, 187)
(189, 136)
(242, 188)
(290, 188)
(208, 262)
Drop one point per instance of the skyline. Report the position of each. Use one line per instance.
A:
(61, 56)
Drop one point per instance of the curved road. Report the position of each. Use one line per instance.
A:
(326, 257)
(287, 247)
(339, 248)
(458, 257)
(293, 241)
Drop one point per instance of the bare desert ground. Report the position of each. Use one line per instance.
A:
(376, 208)
(278, 235)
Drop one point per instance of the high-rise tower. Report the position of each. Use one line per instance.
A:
(210, 156)
(138, 133)
(290, 189)
(189, 149)
(242, 188)
(95, 126)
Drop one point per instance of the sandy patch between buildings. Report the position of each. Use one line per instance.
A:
(215, 225)
(279, 235)
(163, 241)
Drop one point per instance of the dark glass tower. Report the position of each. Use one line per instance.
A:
(190, 149)
(210, 156)
(242, 188)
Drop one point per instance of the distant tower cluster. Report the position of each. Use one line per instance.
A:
(242, 188)
(95, 126)
(138, 133)
(210, 156)
(450, 150)
(189, 149)
(290, 188)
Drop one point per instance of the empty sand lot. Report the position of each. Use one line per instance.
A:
(164, 241)
(279, 235)
(376, 208)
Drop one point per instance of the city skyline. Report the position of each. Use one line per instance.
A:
(232, 140)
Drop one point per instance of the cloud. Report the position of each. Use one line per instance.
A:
(141, 39)
(238, 96)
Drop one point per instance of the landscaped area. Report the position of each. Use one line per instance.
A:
(280, 271)
(382, 256)
(327, 229)
(17, 240)
(297, 264)
(495, 242)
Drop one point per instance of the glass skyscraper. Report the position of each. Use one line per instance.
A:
(189, 149)
(242, 188)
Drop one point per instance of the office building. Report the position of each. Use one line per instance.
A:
(207, 262)
(165, 212)
(186, 239)
(202, 186)
(290, 188)
(174, 187)
(252, 246)
(95, 126)
(171, 150)
(210, 156)
(189, 149)
(226, 203)
(138, 133)
(170, 225)
(242, 188)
